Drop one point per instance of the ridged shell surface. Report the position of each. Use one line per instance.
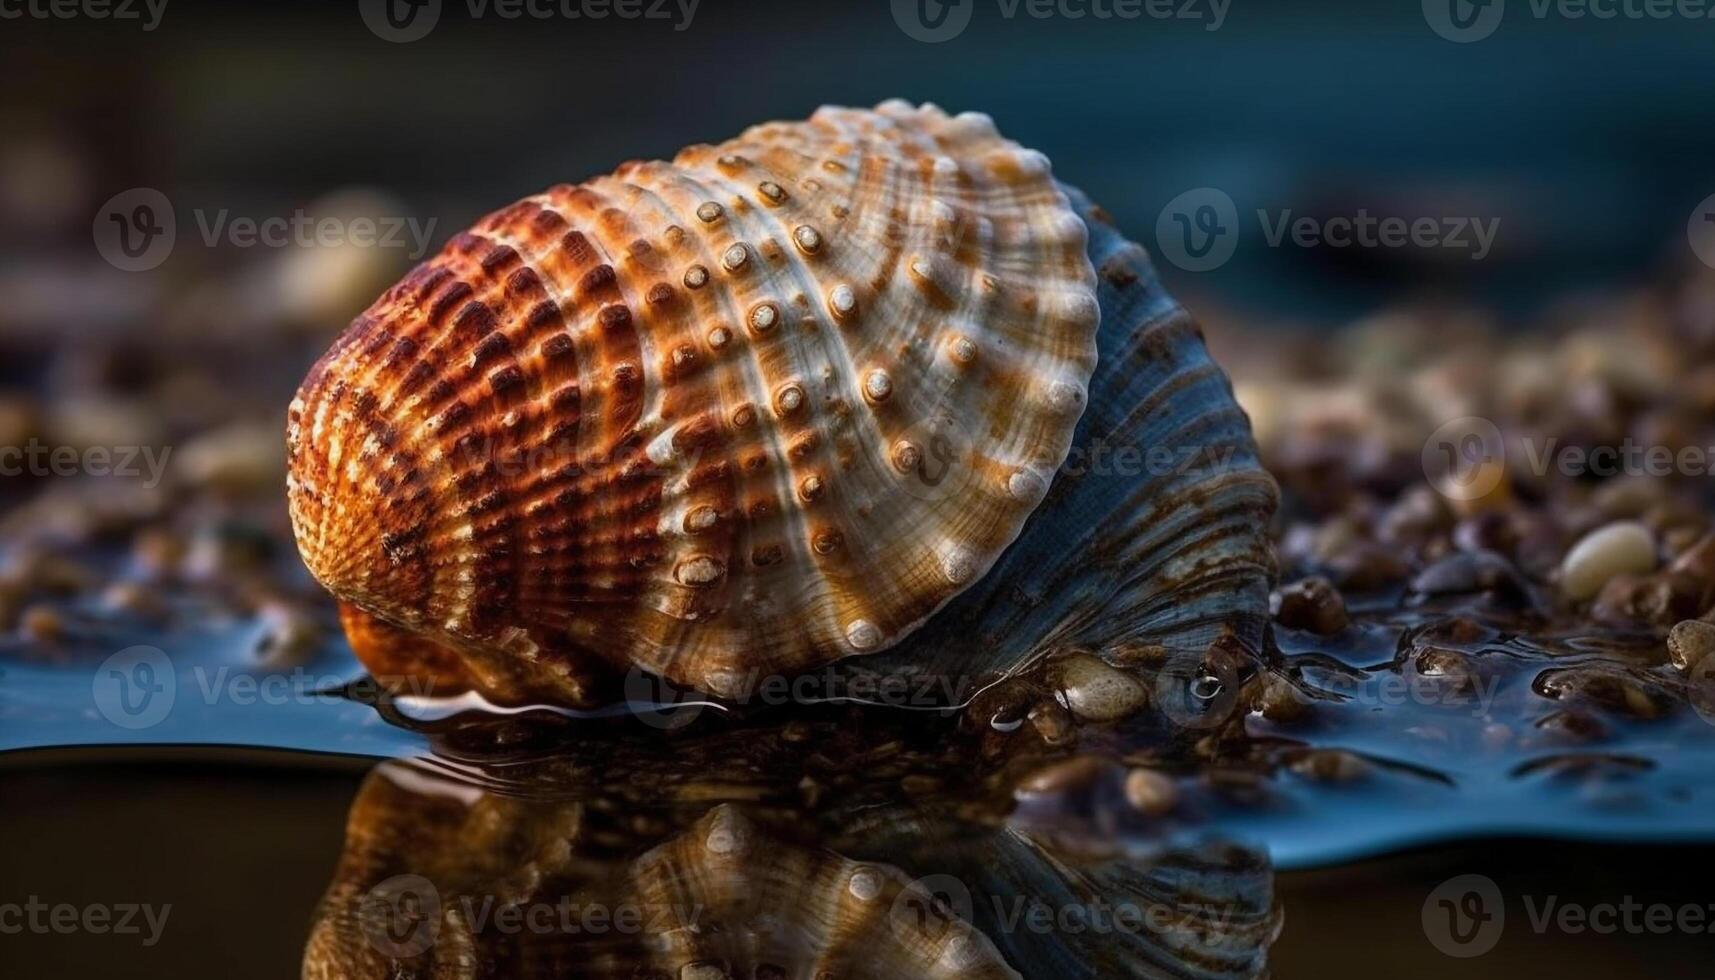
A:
(763, 407)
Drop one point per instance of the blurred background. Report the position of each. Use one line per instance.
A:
(1589, 139)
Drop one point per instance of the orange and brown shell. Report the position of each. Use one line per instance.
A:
(752, 411)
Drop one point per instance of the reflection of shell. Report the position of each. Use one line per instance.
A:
(770, 910)
(720, 900)
(705, 882)
(665, 416)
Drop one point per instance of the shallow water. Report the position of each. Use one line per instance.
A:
(1479, 755)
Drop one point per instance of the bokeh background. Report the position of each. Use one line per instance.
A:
(1591, 140)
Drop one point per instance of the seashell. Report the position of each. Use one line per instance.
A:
(772, 405)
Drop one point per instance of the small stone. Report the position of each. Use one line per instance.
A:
(239, 459)
(1419, 513)
(1609, 688)
(1488, 531)
(1151, 793)
(1331, 766)
(918, 784)
(226, 551)
(1450, 667)
(1051, 722)
(1279, 701)
(1367, 567)
(1059, 778)
(42, 624)
(156, 553)
(132, 597)
(1662, 599)
(1614, 549)
(1578, 726)
(1689, 642)
(289, 634)
(1312, 604)
(1094, 690)
(1466, 572)
(1697, 560)
(1490, 473)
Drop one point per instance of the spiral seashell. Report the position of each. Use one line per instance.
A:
(765, 407)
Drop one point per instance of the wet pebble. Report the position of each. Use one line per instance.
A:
(1689, 642)
(1449, 667)
(156, 553)
(1367, 567)
(1613, 549)
(1311, 604)
(224, 551)
(242, 458)
(1629, 599)
(42, 624)
(135, 598)
(1051, 722)
(290, 634)
(1471, 571)
(1610, 688)
(1490, 531)
(1068, 776)
(1578, 726)
(1150, 792)
(1094, 690)
(1331, 766)
(1279, 700)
